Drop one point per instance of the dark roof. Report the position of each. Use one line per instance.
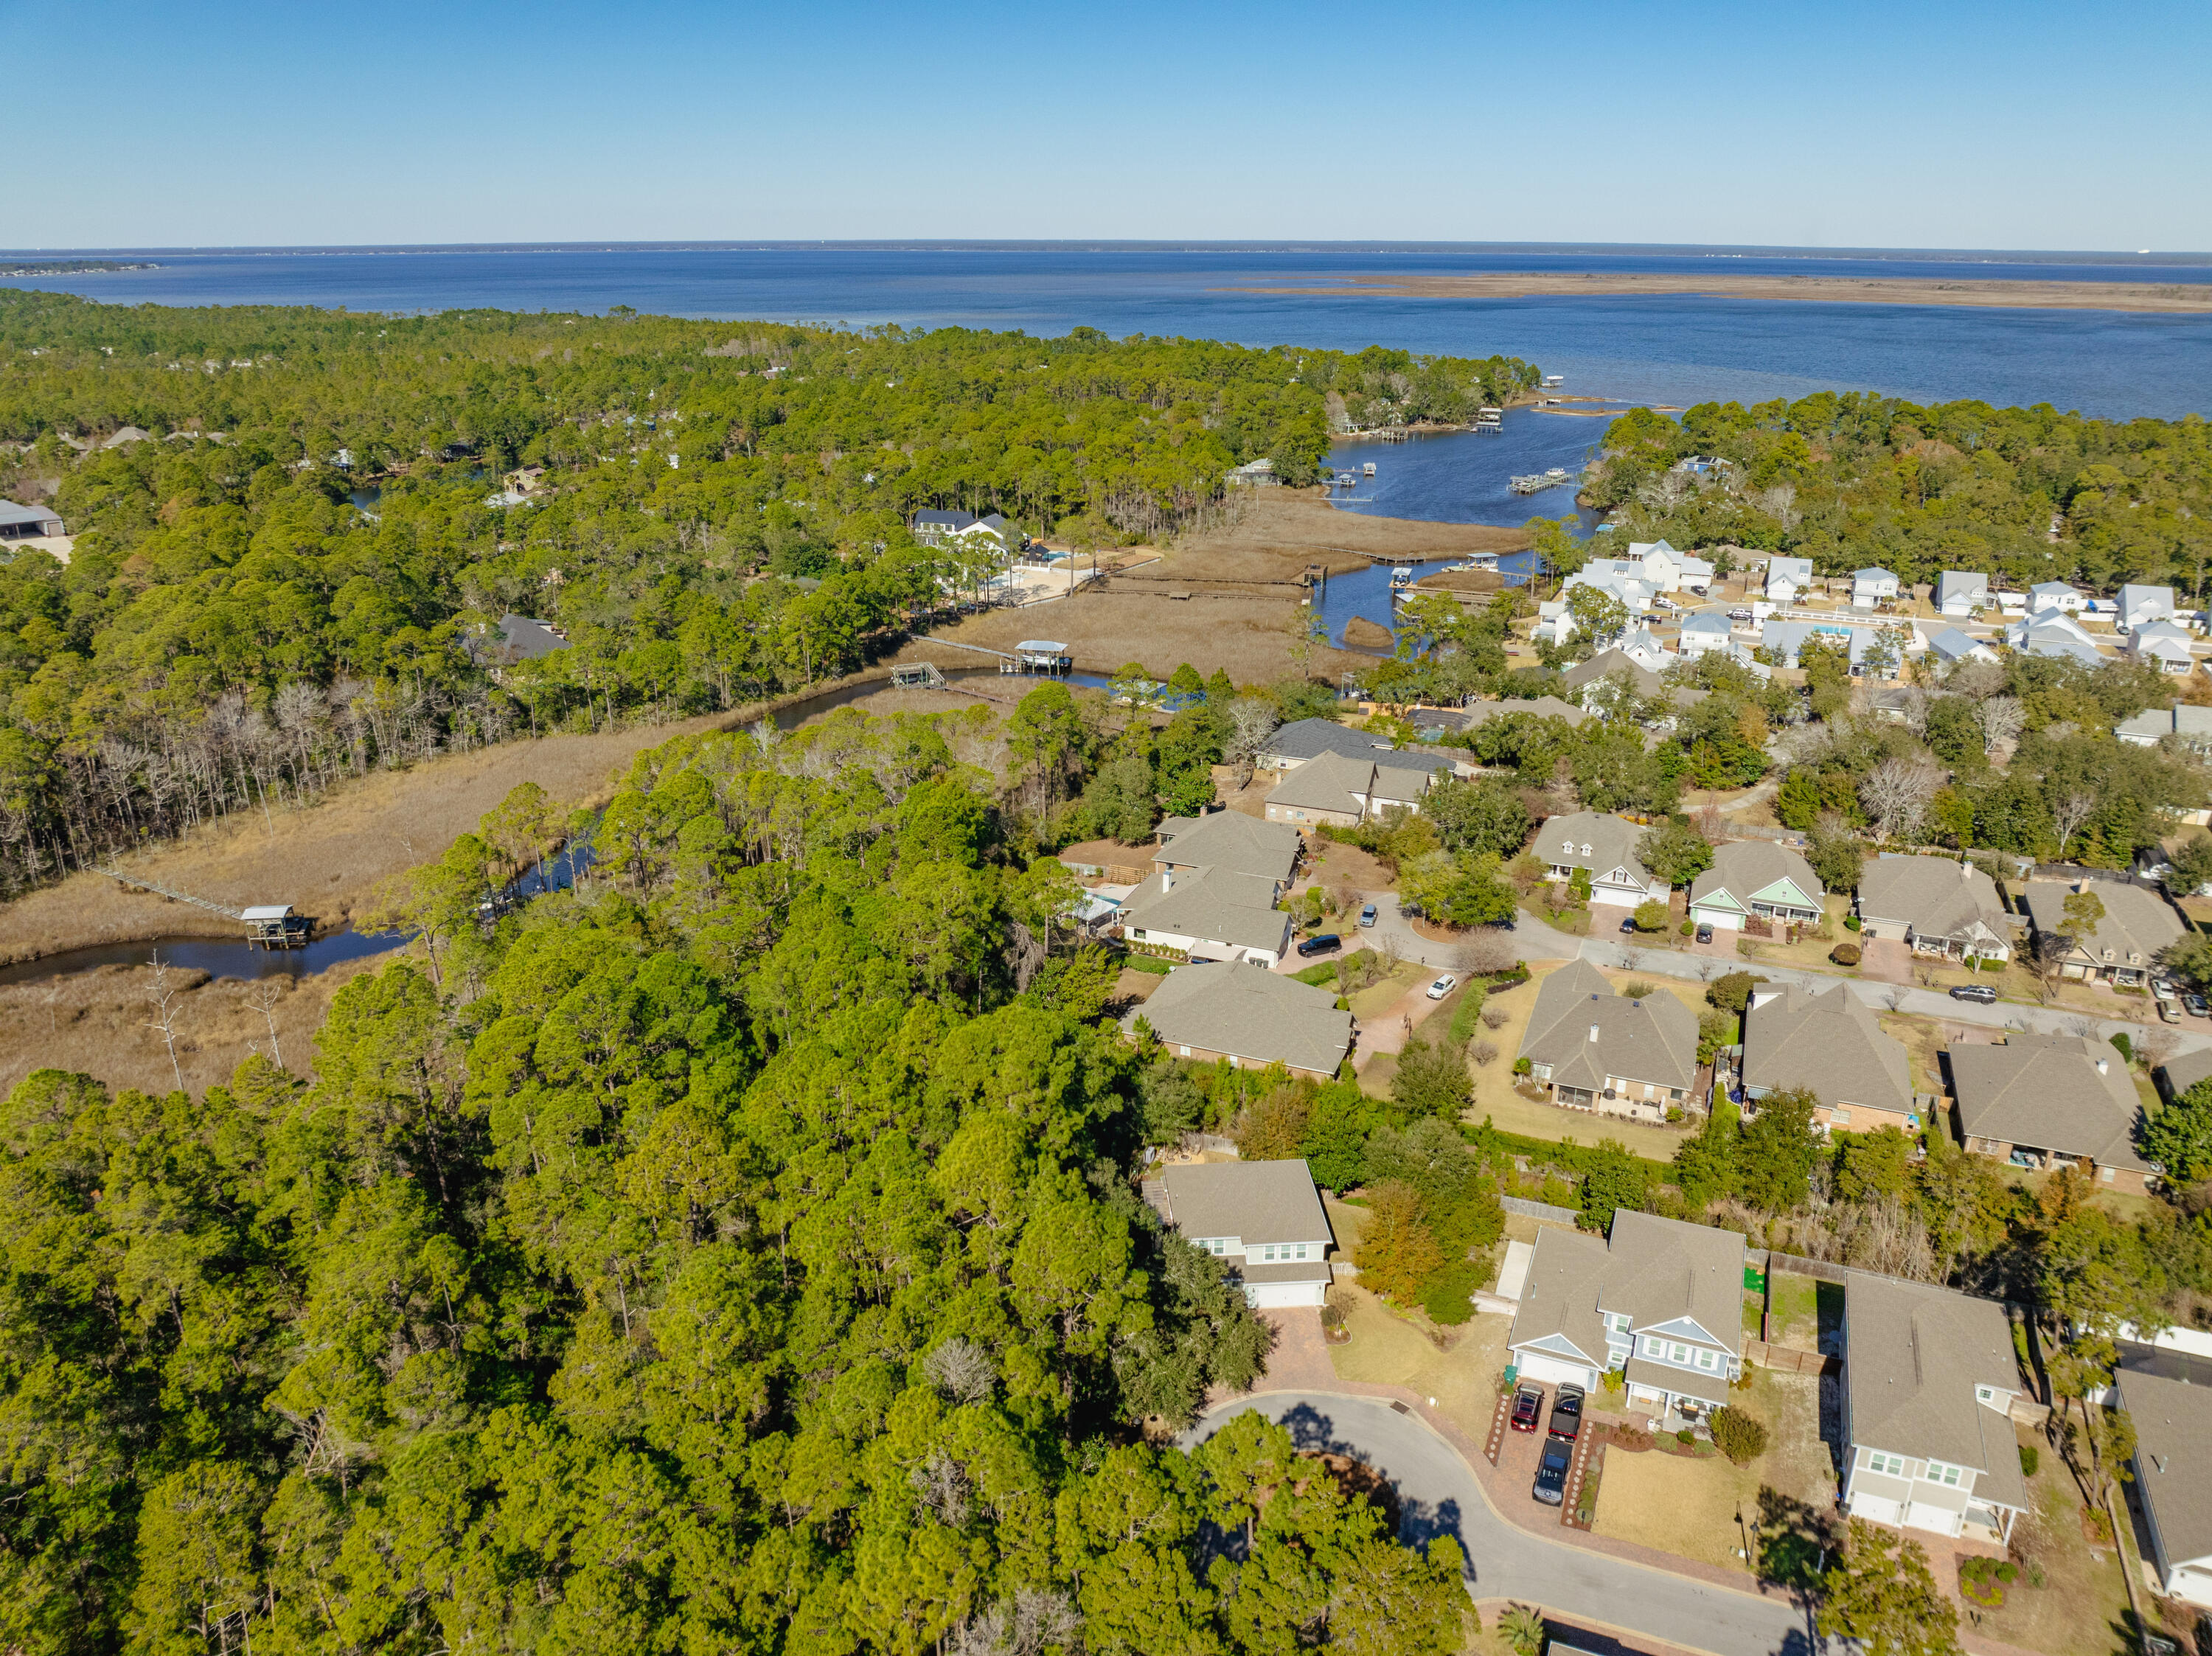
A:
(1585, 1032)
(12, 512)
(2167, 1396)
(1828, 1043)
(519, 638)
(1256, 1202)
(1309, 738)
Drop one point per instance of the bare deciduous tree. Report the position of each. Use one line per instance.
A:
(2069, 813)
(1896, 793)
(263, 999)
(2003, 719)
(163, 993)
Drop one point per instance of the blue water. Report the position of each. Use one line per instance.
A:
(1673, 350)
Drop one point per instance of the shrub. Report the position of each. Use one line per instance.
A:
(1637, 989)
(1844, 953)
(1686, 1437)
(1738, 1435)
(1485, 1053)
(2122, 1045)
(1850, 922)
(1993, 965)
(1689, 927)
(2029, 1460)
(1651, 915)
(1495, 1017)
(1519, 1066)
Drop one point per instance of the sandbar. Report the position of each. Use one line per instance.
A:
(2186, 298)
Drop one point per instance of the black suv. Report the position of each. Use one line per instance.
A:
(1321, 945)
(1551, 1486)
(1567, 1414)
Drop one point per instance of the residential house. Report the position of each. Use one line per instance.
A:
(1962, 593)
(23, 523)
(2039, 1101)
(1605, 846)
(1343, 790)
(1478, 713)
(1829, 1044)
(1873, 585)
(1261, 1219)
(1253, 474)
(1252, 1017)
(2167, 1393)
(1709, 630)
(1666, 569)
(2190, 726)
(935, 528)
(1874, 651)
(1935, 906)
(2136, 924)
(2165, 644)
(1950, 647)
(1789, 580)
(1213, 893)
(1893, 702)
(1929, 1380)
(1659, 1300)
(1591, 1049)
(2054, 633)
(1604, 664)
(1755, 877)
(1294, 744)
(518, 638)
(2141, 605)
(2045, 596)
(1645, 651)
(2182, 1072)
(1612, 575)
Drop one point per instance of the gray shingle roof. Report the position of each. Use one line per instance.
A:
(1744, 866)
(1604, 665)
(1229, 842)
(1227, 1006)
(1309, 738)
(1542, 706)
(1912, 1356)
(1953, 645)
(1326, 783)
(2184, 1069)
(2172, 1408)
(1960, 584)
(1828, 1043)
(1220, 907)
(12, 512)
(1257, 1202)
(2137, 923)
(1654, 1040)
(1611, 841)
(2047, 1092)
(1937, 897)
(1655, 1270)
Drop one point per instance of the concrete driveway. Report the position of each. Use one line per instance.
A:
(1439, 1495)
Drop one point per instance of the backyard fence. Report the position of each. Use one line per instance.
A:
(1790, 1359)
(1529, 1209)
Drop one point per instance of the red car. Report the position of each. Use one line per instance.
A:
(1528, 1408)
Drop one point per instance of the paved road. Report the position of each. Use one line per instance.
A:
(1439, 1495)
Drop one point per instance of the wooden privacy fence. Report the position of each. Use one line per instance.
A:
(1789, 1360)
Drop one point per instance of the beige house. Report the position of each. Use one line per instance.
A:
(1213, 894)
(2137, 923)
(1929, 1380)
(1264, 1220)
(1936, 906)
(2039, 1100)
(1831, 1045)
(1251, 1016)
(1603, 846)
(1592, 1049)
(1343, 790)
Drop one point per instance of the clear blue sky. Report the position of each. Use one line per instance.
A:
(139, 123)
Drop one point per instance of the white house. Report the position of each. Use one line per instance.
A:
(2141, 605)
(1929, 1380)
(1659, 1300)
(1873, 585)
(1605, 847)
(1707, 631)
(1755, 877)
(2055, 595)
(2053, 632)
(934, 528)
(1961, 593)
(1789, 579)
(1666, 569)
(1951, 645)
(2164, 643)
(1645, 651)
(1262, 1219)
(2167, 1392)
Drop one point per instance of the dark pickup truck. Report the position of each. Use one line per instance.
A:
(1567, 1414)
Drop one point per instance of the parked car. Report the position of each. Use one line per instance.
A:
(1551, 1486)
(1567, 1413)
(1442, 986)
(1528, 1408)
(1321, 945)
(1741, 614)
(1367, 915)
(1704, 934)
(2162, 989)
(2169, 1011)
(1629, 924)
(1975, 991)
(2198, 1005)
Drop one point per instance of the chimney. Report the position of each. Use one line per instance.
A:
(1594, 1038)
(1966, 870)
(2100, 1066)
(1167, 879)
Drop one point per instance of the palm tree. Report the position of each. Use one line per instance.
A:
(1523, 1628)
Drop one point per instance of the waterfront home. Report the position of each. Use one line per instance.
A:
(1604, 846)
(2189, 726)
(1961, 593)
(1253, 474)
(1659, 1300)
(1253, 1017)
(2055, 633)
(2167, 1393)
(1935, 906)
(2139, 606)
(1343, 790)
(936, 528)
(1263, 1219)
(1928, 1382)
(1591, 1049)
(1950, 647)
(1755, 877)
(2164, 644)
(1789, 580)
(1666, 569)
(2137, 923)
(1830, 1045)
(1708, 631)
(2038, 1102)
(1873, 585)
(2045, 596)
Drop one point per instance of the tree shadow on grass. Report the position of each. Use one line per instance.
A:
(1791, 1542)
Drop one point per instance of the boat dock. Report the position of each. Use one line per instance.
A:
(1538, 480)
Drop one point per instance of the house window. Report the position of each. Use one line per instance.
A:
(2105, 1174)
(1890, 1465)
(1841, 1116)
(1985, 1394)
(1937, 1472)
(1709, 1361)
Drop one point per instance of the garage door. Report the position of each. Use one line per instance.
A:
(1555, 1371)
(1880, 1508)
(1721, 919)
(1919, 1515)
(1268, 1296)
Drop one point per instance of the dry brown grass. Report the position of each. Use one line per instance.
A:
(325, 858)
(100, 1023)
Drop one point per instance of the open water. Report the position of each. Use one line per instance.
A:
(1669, 349)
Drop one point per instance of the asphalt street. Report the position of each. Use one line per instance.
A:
(1439, 1496)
